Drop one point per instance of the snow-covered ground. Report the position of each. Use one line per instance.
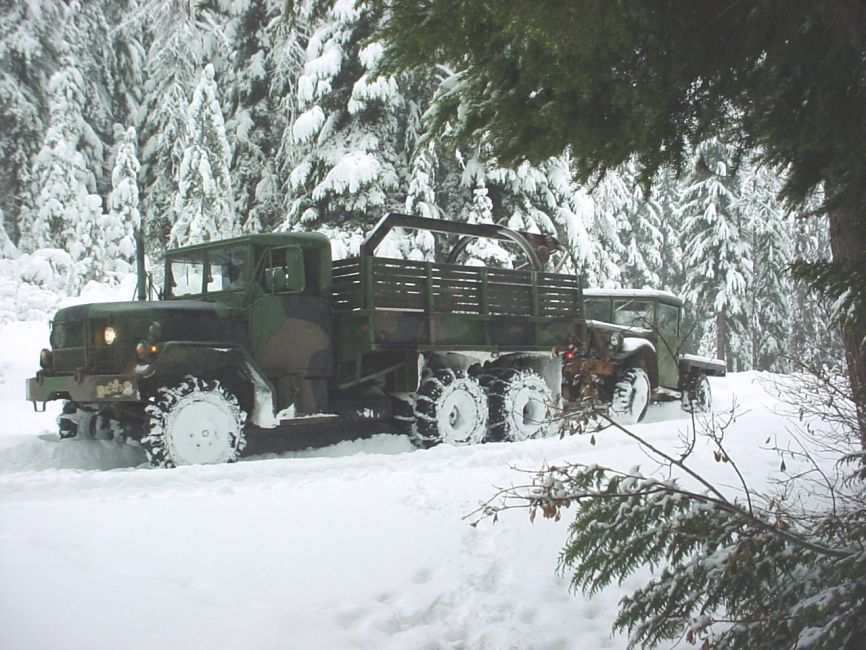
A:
(359, 545)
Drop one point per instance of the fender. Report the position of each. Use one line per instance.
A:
(177, 357)
(641, 353)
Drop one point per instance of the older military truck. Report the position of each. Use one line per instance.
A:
(634, 355)
(263, 339)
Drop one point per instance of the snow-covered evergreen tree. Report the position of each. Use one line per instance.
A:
(612, 203)
(717, 256)
(116, 238)
(255, 122)
(666, 193)
(204, 209)
(641, 235)
(772, 290)
(30, 49)
(65, 209)
(348, 135)
(183, 35)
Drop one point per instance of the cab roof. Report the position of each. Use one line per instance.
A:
(273, 239)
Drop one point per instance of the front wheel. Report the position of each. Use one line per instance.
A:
(450, 407)
(698, 398)
(196, 422)
(631, 397)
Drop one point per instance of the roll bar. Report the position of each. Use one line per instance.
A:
(534, 246)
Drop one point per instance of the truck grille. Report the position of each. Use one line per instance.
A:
(80, 345)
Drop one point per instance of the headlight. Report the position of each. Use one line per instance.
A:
(615, 340)
(46, 358)
(110, 335)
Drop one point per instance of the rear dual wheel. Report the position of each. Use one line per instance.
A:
(456, 408)
(450, 407)
(520, 403)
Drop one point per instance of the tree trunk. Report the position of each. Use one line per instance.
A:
(847, 247)
(722, 339)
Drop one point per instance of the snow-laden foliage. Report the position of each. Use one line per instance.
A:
(203, 207)
(717, 255)
(118, 226)
(347, 135)
(65, 210)
(321, 137)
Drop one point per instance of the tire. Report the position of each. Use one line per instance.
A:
(519, 404)
(698, 398)
(631, 397)
(450, 408)
(404, 413)
(196, 422)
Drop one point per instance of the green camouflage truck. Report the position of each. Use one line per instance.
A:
(264, 343)
(634, 354)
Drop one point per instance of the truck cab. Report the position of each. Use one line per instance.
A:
(636, 353)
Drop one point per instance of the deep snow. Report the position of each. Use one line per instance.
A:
(359, 545)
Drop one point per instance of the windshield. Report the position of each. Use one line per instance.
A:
(225, 272)
(186, 277)
(634, 313)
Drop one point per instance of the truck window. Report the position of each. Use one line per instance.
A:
(226, 270)
(668, 323)
(598, 310)
(187, 277)
(284, 270)
(634, 313)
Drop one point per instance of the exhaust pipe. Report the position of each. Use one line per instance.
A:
(141, 284)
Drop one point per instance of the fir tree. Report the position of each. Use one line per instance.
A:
(29, 50)
(641, 234)
(203, 209)
(772, 290)
(182, 37)
(118, 226)
(717, 255)
(65, 210)
(348, 133)
(256, 122)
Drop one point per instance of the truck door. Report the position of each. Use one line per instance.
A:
(667, 346)
(291, 328)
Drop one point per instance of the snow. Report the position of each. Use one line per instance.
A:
(360, 545)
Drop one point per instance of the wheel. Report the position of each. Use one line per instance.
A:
(403, 406)
(450, 407)
(67, 422)
(519, 404)
(698, 398)
(196, 422)
(631, 397)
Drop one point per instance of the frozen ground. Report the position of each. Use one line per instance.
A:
(359, 545)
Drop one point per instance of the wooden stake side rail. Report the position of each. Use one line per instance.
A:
(389, 284)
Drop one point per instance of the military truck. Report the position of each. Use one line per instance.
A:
(263, 342)
(634, 355)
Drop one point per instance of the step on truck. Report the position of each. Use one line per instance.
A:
(263, 343)
(634, 354)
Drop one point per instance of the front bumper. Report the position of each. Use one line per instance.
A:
(84, 388)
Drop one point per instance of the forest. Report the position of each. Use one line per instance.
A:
(203, 120)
